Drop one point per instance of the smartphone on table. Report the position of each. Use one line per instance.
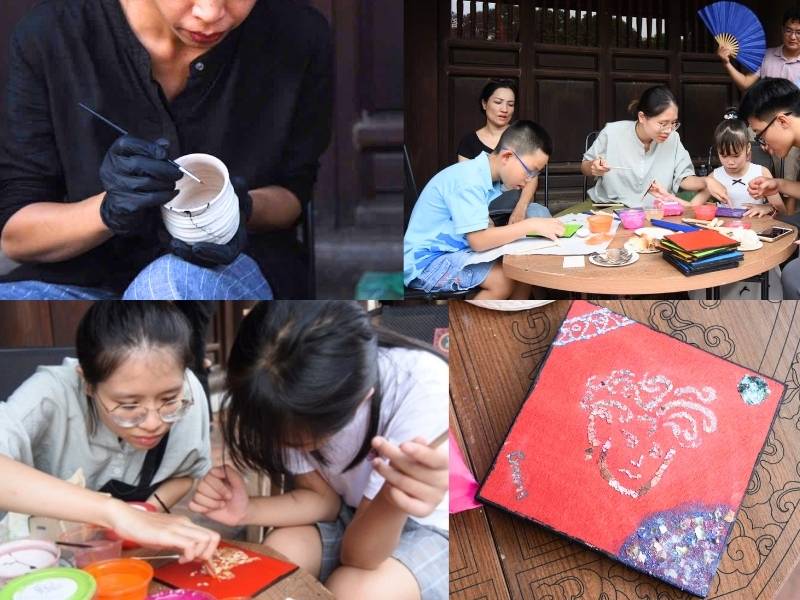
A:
(773, 233)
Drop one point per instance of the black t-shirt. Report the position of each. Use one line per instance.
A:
(260, 101)
(471, 146)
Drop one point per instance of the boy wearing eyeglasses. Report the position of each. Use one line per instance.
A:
(450, 221)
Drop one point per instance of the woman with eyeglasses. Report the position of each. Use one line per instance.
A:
(127, 417)
(633, 159)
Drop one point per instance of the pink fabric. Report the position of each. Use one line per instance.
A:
(776, 65)
(463, 486)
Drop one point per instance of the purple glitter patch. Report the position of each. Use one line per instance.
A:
(681, 546)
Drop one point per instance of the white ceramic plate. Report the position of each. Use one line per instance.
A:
(633, 259)
(509, 304)
(656, 233)
(631, 246)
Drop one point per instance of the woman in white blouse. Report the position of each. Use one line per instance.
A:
(634, 159)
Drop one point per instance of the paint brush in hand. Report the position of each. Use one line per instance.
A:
(124, 132)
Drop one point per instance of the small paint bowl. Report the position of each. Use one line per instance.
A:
(100, 546)
(599, 223)
(632, 219)
(181, 595)
(51, 584)
(23, 556)
(705, 212)
(672, 209)
(121, 578)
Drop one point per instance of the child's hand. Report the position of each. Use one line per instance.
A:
(717, 190)
(221, 495)
(549, 228)
(417, 475)
(159, 530)
(599, 167)
(759, 210)
(762, 186)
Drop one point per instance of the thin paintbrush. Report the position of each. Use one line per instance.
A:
(123, 132)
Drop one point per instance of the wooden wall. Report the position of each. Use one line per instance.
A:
(578, 64)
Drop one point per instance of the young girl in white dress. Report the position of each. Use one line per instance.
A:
(732, 142)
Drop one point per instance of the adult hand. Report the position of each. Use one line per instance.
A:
(417, 475)
(159, 530)
(724, 53)
(518, 214)
(599, 167)
(221, 495)
(137, 180)
(549, 228)
(658, 191)
(761, 187)
(209, 254)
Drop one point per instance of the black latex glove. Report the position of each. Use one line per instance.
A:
(208, 254)
(137, 181)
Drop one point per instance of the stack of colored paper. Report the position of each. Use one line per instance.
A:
(702, 251)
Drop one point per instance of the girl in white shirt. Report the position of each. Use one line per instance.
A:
(318, 393)
(732, 142)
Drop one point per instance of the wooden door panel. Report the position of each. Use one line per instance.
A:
(567, 101)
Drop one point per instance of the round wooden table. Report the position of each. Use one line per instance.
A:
(651, 274)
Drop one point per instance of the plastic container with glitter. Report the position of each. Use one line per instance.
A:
(23, 556)
(203, 212)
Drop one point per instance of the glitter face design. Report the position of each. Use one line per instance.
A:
(637, 426)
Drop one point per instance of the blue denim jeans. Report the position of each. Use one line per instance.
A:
(166, 278)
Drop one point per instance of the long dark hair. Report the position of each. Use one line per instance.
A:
(111, 330)
(301, 369)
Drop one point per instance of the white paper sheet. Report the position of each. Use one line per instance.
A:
(524, 246)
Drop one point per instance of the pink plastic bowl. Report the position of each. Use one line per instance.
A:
(632, 219)
(705, 212)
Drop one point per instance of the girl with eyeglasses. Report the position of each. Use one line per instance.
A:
(127, 417)
(346, 411)
(634, 159)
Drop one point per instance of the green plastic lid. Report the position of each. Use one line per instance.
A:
(51, 584)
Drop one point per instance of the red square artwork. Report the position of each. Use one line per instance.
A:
(239, 572)
(635, 444)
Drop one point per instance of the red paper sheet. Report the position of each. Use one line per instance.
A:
(250, 579)
(636, 444)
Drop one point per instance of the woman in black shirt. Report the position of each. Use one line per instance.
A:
(498, 100)
(248, 82)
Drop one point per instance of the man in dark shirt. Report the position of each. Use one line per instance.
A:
(247, 81)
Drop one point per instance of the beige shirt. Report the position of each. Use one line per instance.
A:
(45, 424)
(668, 163)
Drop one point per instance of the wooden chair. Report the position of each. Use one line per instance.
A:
(587, 143)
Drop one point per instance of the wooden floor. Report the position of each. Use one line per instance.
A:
(493, 359)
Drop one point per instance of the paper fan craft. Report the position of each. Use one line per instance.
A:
(737, 27)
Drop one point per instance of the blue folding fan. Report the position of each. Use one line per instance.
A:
(737, 27)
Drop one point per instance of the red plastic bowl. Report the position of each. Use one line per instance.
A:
(705, 212)
(128, 544)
